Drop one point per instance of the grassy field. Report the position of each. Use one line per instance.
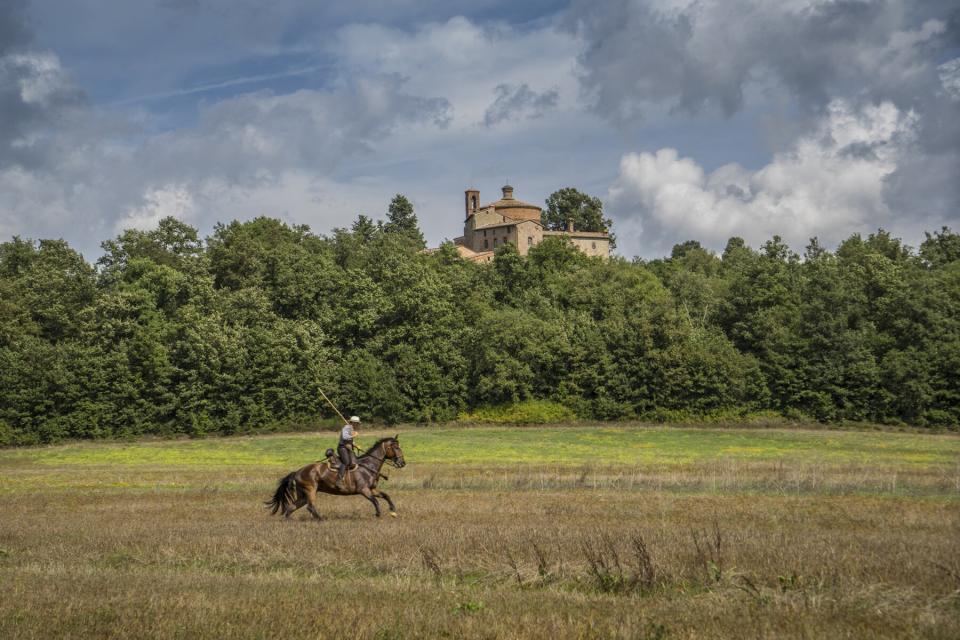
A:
(538, 532)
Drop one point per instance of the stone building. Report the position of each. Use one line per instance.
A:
(510, 220)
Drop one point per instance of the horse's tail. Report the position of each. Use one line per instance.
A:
(284, 496)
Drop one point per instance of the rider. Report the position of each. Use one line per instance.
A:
(345, 448)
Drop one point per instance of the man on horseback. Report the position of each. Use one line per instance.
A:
(345, 448)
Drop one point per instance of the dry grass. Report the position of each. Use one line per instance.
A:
(717, 548)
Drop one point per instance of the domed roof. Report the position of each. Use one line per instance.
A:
(509, 202)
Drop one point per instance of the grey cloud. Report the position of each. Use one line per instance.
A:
(36, 97)
(69, 167)
(707, 54)
(13, 31)
(924, 191)
(92, 179)
(37, 100)
(513, 102)
(950, 77)
(861, 151)
(798, 58)
(242, 139)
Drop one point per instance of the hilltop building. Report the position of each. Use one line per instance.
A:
(510, 220)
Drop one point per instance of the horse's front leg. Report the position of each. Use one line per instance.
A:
(381, 494)
(369, 496)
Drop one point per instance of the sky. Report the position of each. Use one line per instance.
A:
(689, 119)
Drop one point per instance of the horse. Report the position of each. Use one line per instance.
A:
(300, 487)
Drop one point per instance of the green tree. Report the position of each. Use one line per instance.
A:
(569, 204)
(364, 228)
(402, 220)
(941, 248)
(172, 243)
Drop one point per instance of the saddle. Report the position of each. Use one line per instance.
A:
(333, 460)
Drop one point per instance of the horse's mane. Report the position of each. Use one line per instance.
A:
(375, 445)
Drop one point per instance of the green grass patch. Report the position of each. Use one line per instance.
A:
(580, 445)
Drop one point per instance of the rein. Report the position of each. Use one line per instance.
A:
(385, 460)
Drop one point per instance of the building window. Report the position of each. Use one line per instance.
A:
(529, 241)
(494, 243)
(473, 202)
(484, 233)
(484, 243)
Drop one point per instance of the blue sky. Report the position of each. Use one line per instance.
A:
(690, 120)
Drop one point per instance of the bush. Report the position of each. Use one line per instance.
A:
(718, 416)
(526, 412)
(6, 435)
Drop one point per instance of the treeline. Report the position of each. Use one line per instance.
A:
(171, 334)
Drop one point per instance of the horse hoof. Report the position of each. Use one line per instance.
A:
(393, 514)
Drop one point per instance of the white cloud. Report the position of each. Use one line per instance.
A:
(466, 61)
(39, 76)
(168, 201)
(400, 106)
(67, 174)
(830, 184)
(950, 77)
(695, 54)
(427, 110)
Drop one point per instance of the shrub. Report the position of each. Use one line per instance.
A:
(526, 412)
(6, 435)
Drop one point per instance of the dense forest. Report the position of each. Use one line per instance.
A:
(169, 333)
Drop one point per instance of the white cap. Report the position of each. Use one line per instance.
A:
(354, 419)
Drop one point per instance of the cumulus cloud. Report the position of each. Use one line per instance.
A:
(172, 200)
(37, 99)
(260, 134)
(364, 105)
(93, 170)
(64, 172)
(492, 70)
(695, 54)
(830, 184)
(862, 87)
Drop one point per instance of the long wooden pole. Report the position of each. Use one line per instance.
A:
(332, 406)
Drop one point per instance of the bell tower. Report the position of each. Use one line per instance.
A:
(471, 201)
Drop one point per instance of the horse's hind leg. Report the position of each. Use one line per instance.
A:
(293, 507)
(393, 507)
(312, 502)
(369, 496)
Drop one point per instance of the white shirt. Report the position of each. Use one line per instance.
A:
(347, 433)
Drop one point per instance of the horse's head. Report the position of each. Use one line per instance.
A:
(392, 451)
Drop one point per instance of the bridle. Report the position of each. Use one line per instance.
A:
(390, 461)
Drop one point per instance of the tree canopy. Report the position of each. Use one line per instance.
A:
(569, 204)
(172, 334)
(401, 220)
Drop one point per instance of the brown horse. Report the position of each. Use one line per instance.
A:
(300, 487)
